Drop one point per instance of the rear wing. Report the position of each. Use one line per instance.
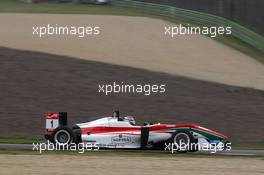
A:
(54, 120)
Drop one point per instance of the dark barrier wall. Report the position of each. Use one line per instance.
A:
(249, 13)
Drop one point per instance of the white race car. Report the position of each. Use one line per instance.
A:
(122, 132)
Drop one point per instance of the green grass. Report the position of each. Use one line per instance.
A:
(20, 140)
(15, 6)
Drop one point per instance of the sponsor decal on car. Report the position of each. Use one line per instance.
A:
(121, 139)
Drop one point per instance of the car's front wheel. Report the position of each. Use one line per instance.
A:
(182, 141)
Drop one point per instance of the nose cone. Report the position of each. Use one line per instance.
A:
(211, 132)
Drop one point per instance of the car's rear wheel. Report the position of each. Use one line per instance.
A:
(63, 136)
(182, 141)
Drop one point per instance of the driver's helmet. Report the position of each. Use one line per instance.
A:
(115, 114)
(130, 119)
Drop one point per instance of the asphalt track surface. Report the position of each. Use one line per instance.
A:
(248, 153)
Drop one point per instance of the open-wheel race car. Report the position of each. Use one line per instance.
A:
(122, 132)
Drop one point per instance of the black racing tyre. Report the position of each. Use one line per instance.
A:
(184, 138)
(63, 136)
